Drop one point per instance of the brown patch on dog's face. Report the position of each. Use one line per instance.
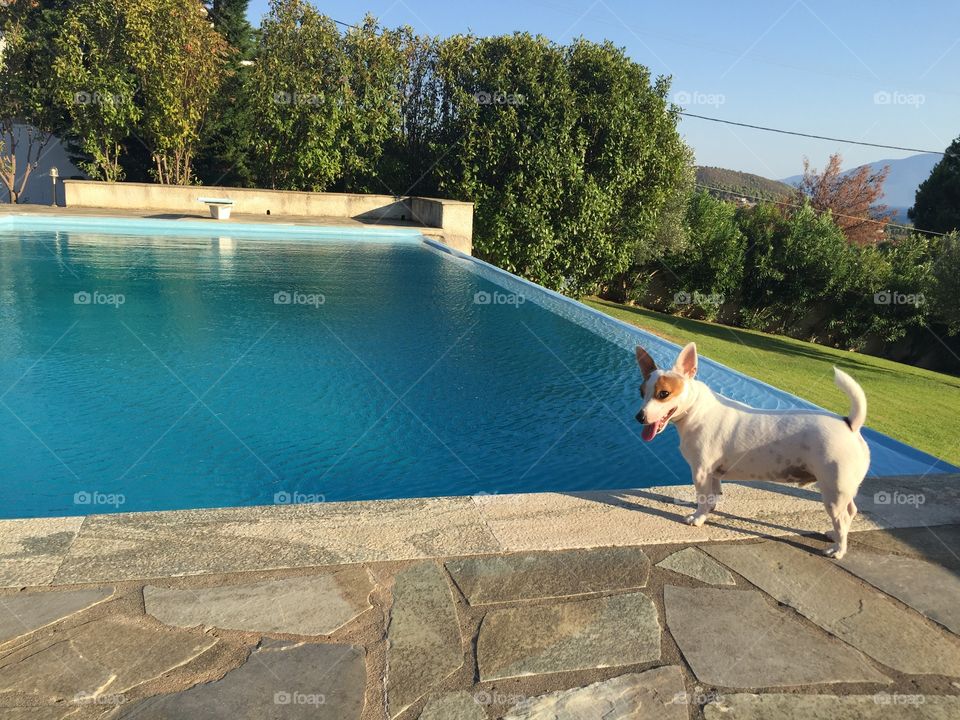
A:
(661, 397)
(667, 386)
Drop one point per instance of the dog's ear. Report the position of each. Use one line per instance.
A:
(646, 363)
(686, 363)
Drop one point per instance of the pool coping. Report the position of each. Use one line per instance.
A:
(144, 545)
(112, 224)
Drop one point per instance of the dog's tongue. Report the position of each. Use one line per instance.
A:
(649, 431)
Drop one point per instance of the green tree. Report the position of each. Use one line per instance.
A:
(946, 281)
(222, 157)
(793, 263)
(937, 204)
(711, 262)
(293, 98)
(29, 113)
(229, 17)
(179, 61)
(571, 155)
(374, 71)
(95, 83)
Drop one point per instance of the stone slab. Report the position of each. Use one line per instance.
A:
(934, 544)
(866, 619)
(37, 713)
(698, 565)
(649, 695)
(109, 656)
(307, 605)
(579, 635)
(453, 706)
(128, 546)
(28, 611)
(882, 706)
(530, 576)
(423, 635)
(285, 680)
(32, 549)
(929, 589)
(737, 638)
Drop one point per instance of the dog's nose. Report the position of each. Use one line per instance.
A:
(641, 419)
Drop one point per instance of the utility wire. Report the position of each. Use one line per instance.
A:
(808, 135)
(727, 191)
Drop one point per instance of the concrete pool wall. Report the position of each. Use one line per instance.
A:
(453, 217)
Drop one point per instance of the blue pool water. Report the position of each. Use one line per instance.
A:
(153, 371)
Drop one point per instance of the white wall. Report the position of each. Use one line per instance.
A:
(39, 187)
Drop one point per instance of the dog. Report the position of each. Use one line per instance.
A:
(722, 439)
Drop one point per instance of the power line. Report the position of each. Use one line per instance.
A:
(809, 135)
(727, 191)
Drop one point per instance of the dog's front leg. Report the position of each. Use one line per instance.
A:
(706, 498)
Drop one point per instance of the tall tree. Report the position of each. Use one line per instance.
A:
(374, 73)
(29, 114)
(937, 204)
(95, 82)
(229, 17)
(179, 61)
(851, 197)
(222, 158)
(294, 99)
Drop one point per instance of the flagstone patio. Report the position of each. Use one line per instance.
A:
(742, 627)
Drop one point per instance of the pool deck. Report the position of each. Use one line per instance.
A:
(517, 606)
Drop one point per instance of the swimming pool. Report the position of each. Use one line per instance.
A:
(148, 366)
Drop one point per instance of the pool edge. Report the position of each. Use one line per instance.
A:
(140, 546)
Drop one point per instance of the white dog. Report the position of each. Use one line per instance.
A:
(723, 439)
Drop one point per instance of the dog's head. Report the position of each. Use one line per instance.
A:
(664, 392)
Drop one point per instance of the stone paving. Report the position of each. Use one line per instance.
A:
(743, 630)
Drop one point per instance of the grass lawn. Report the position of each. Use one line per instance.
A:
(918, 407)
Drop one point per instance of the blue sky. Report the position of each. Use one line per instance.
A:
(879, 71)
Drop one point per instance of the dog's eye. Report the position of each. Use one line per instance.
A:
(663, 395)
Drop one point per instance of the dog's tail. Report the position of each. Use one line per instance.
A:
(858, 401)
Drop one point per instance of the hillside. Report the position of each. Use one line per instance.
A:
(743, 183)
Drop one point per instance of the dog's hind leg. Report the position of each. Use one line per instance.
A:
(839, 511)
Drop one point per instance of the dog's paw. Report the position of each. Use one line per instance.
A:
(695, 520)
(835, 552)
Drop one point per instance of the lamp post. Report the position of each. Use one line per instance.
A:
(54, 174)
